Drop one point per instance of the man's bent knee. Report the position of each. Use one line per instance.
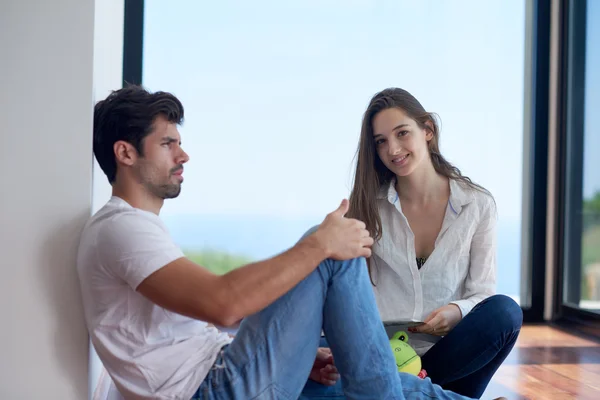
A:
(309, 232)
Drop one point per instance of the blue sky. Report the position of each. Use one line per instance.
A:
(274, 93)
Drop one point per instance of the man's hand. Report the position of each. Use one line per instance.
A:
(343, 238)
(323, 370)
(440, 321)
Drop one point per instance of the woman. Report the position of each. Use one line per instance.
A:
(434, 259)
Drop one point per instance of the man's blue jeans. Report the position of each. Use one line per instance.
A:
(466, 359)
(274, 350)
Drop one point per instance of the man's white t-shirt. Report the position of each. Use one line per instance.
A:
(150, 352)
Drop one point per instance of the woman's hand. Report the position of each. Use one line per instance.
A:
(440, 321)
(324, 370)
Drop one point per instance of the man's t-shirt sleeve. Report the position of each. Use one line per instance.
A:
(133, 247)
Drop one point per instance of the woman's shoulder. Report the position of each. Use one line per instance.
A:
(479, 196)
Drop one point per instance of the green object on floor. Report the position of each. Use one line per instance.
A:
(406, 357)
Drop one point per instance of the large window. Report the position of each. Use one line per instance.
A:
(590, 206)
(274, 94)
(581, 283)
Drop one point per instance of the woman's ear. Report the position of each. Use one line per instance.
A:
(429, 130)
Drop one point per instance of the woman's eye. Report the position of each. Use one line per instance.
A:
(379, 141)
(402, 133)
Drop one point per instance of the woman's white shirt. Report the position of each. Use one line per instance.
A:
(460, 270)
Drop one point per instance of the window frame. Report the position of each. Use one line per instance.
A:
(535, 159)
(133, 42)
(570, 170)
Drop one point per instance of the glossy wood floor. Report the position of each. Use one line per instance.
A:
(549, 363)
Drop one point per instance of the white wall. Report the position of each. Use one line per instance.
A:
(46, 98)
(108, 76)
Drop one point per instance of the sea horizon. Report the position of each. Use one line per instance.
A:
(258, 237)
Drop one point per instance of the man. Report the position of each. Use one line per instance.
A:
(151, 312)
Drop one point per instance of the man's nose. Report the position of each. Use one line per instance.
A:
(183, 157)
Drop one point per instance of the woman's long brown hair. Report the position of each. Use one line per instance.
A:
(371, 174)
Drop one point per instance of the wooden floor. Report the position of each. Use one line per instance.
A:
(548, 363)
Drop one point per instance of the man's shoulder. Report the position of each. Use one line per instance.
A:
(119, 232)
(114, 226)
(114, 215)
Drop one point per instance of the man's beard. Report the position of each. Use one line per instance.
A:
(166, 191)
(163, 191)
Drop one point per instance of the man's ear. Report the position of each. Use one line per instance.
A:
(125, 153)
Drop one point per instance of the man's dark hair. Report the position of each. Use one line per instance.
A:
(128, 114)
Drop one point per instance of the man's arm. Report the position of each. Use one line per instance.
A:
(189, 289)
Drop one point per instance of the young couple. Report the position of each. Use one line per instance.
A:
(415, 241)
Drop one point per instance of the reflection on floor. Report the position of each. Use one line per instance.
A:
(548, 363)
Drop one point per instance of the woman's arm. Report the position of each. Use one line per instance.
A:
(481, 279)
